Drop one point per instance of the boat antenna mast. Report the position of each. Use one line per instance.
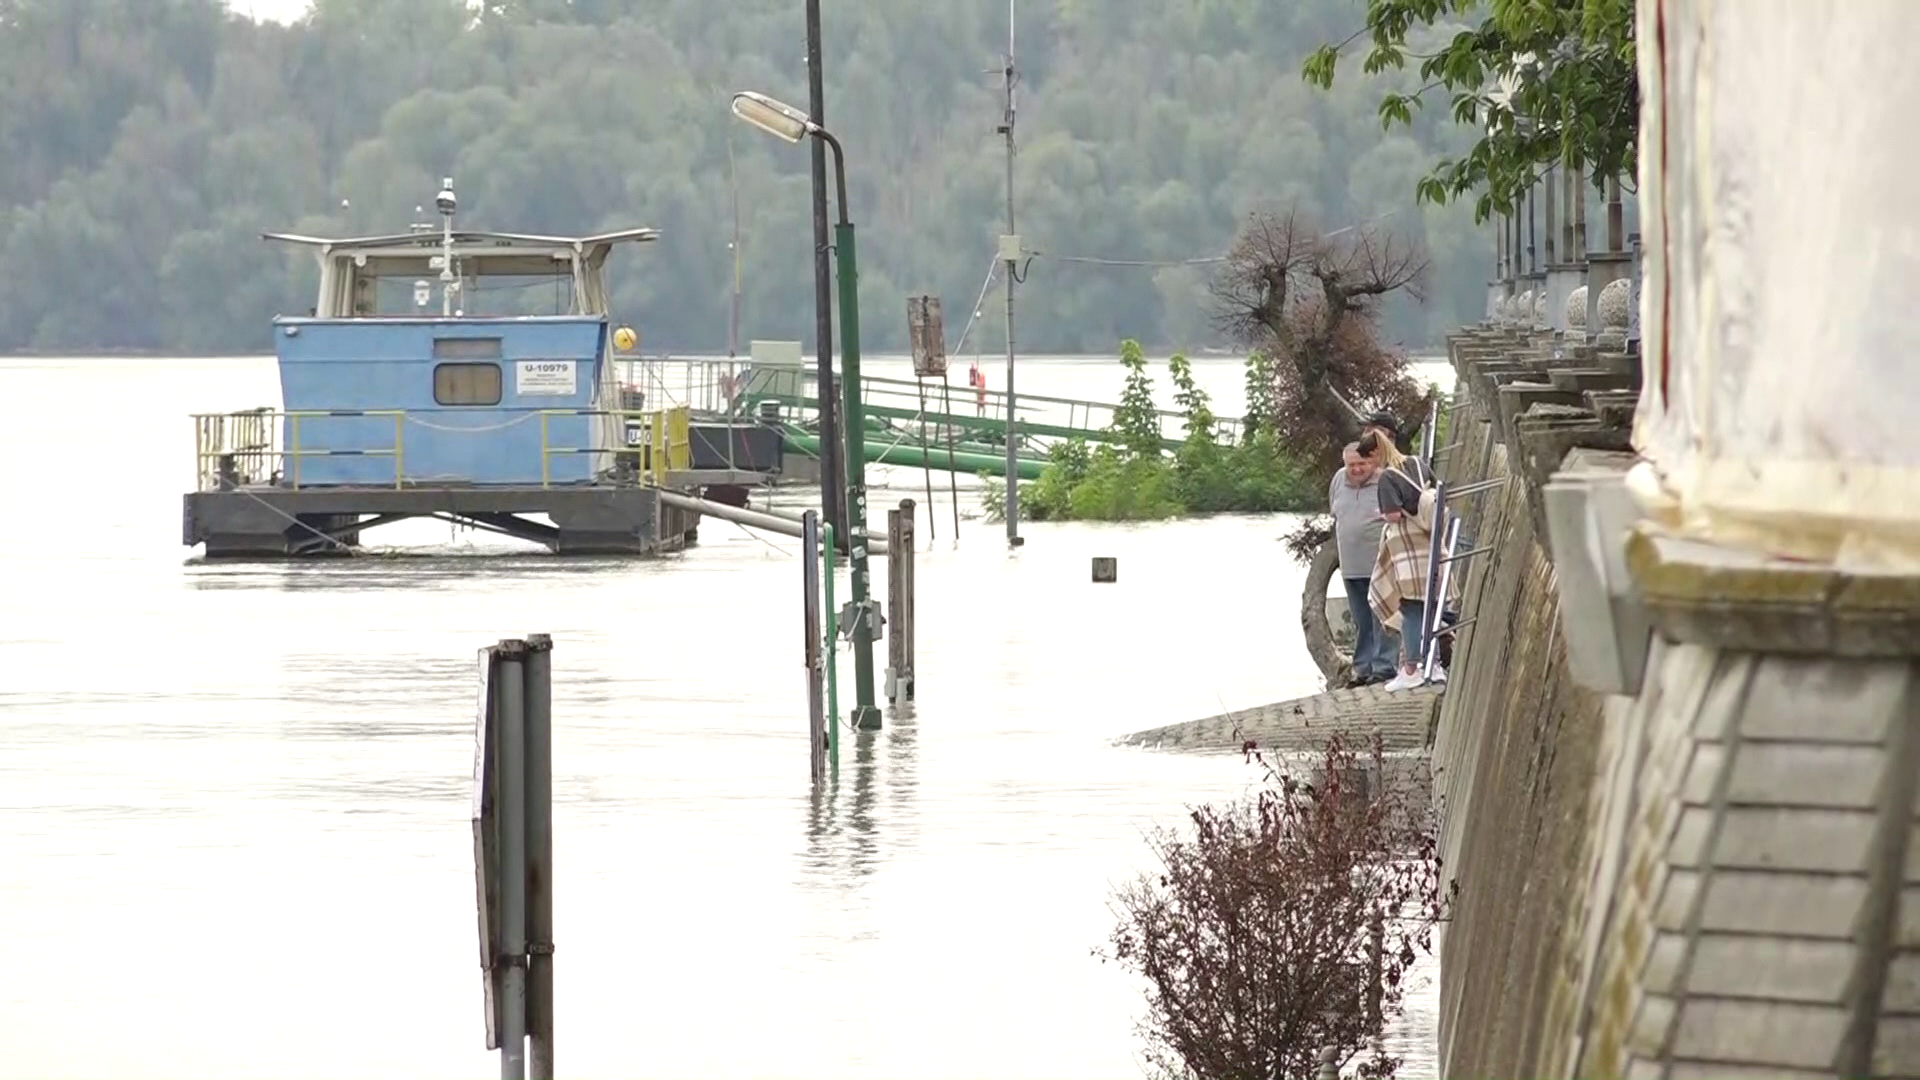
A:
(1010, 251)
(449, 279)
(733, 248)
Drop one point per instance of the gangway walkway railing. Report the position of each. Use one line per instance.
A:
(977, 411)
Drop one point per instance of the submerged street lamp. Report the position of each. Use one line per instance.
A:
(783, 121)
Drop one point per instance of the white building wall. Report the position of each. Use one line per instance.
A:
(1780, 153)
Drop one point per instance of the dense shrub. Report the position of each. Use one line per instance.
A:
(1132, 476)
(1285, 923)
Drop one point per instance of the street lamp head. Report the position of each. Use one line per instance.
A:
(773, 117)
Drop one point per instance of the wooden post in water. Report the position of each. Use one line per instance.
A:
(900, 544)
(814, 649)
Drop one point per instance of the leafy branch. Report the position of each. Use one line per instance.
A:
(1545, 81)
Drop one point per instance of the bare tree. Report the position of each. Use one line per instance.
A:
(1285, 923)
(1309, 301)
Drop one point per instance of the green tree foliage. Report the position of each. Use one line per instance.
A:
(1132, 477)
(1136, 420)
(1544, 82)
(145, 143)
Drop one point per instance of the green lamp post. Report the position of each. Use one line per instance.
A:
(786, 122)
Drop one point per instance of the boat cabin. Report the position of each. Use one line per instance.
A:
(452, 357)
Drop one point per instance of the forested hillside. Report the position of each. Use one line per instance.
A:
(144, 144)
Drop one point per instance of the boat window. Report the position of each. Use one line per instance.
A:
(466, 384)
(466, 348)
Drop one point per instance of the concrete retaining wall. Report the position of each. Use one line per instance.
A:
(1517, 743)
(1717, 878)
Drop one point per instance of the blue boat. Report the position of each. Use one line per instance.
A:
(454, 374)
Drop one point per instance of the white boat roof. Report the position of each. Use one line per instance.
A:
(465, 237)
(488, 254)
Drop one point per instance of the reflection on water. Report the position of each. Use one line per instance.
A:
(841, 843)
(233, 799)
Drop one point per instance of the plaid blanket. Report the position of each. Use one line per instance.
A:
(1400, 570)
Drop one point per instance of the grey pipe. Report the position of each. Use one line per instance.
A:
(756, 519)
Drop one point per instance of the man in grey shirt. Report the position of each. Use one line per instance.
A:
(1354, 497)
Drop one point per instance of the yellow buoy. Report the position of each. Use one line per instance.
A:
(625, 339)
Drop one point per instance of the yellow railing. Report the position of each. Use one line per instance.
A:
(669, 445)
(243, 449)
(398, 451)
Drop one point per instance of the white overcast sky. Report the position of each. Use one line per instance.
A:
(279, 10)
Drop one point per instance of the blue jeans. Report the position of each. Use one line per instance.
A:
(1373, 643)
(1413, 614)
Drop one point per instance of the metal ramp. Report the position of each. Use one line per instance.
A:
(922, 423)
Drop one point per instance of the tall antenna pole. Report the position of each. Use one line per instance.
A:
(733, 318)
(449, 278)
(1010, 251)
(833, 472)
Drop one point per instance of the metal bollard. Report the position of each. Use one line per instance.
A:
(813, 648)
(900, 548)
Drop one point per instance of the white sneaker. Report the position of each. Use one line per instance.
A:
(1404, 681)
(1439, 674)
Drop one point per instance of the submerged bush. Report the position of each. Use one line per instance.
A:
(1132, 476)
(1284, 923)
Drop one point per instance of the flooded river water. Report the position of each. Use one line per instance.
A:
(234, 799)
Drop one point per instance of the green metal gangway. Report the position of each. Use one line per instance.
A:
(909, 422)
(885, 446)
(932, 424)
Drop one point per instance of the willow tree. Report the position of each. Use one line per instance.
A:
(1309, 302)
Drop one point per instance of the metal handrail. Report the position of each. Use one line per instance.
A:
(232, 448)
(716, 385)
(1432, 600)
(1436, 606)
(1442, 555)
(1038, 416)
(299, 453)
(707, 385)
(1478, 486)
(240, 448)
(670, 442)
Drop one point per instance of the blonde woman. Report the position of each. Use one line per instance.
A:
(1399, 586)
